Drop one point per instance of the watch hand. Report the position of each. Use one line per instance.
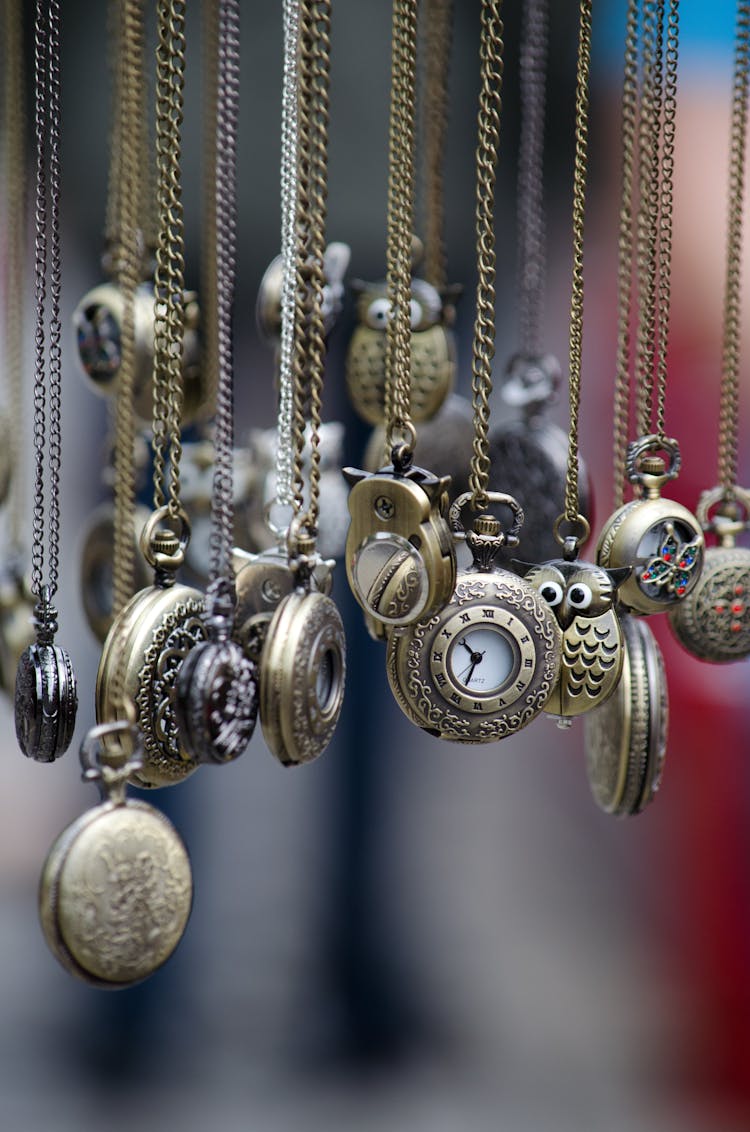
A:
(467, 647)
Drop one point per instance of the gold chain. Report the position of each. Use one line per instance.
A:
(169, 281)
(209, 307)
(648, 218)
(400, 224)
(14, 288)
(729, 405)
(437, 44)
(571, 511)
(308, 361)
(483, 350)
(127, 258)
(625, 254)
(666, 198)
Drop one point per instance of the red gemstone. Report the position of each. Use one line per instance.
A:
(735, 626)
(719, 608)
(738, 607)
(667, 556)
(739, 590)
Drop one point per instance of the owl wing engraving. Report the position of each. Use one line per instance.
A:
(592, 659)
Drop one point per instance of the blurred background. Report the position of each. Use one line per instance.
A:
(409, 934)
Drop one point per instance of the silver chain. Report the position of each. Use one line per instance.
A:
(225, 203)
(47, 359)
(289, 200)
(531, 226)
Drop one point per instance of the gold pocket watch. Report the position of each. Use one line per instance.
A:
(486, 664)
(713, 622)
(143, 651)
(660, 539)
(98, 320)
(302, 664)
(400, 557)
(626, 738)
(116, 889)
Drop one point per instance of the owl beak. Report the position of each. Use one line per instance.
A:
(565, 615)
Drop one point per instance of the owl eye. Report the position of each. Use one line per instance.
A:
(551, 592)
(378, 314)
(579, 596)
(415, 314)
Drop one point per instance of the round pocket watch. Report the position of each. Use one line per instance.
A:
(97, 321)
(46, 692)
(660, 539)
(487, 663)
(268, 306)
(116, 889)
(626, 738)
(302, 666)
(143, 651)
(713, 622)
(529, 455)
(433, 351)
(97, 566)
(400, 557)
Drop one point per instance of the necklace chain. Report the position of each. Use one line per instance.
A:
(483, 351)
(729, 412)
(437, 43)
(289, 193)
(531, 226)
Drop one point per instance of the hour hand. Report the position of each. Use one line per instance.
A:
(468, 648)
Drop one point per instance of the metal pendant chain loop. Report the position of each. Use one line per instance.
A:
(488, 129)
(400, 224)
(170, 256)
(729, 404)
(571, 511)
(209, 313)
(531, 226)
(666, 196)
(47, 369)
(437, 43)
(289, 197)
(225, 203)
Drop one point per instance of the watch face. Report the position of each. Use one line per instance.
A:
(98, 342)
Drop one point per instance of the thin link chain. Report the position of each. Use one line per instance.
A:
(225, 203)
(400, 221)
(531, 226)
(483, 349)
(127, 248)
(437, 44)
(730, 356)
(666, 199)
(625, 254)
(209, 285)
(14, 182)
(289, 192)
(169, 282)
(312, 179)
(47, 374)
(571, 511)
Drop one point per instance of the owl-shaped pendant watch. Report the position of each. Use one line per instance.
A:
(486, 664)
(626, 738)
(713, 622)
(433, 354)
(660, 539)
(582, 597)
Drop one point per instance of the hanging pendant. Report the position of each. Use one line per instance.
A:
(97, 566)
(626, 738)
(116, 889)
(486, 664)
(46, 696)
(713, 622)
(660, 539)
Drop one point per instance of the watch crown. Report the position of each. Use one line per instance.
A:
(487, 525)
(165, 542)
(653, 466)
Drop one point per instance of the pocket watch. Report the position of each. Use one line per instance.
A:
(196, 486)
(486, 664)
(268, 306)
(582, 596)
(433, 351)
(713, 622)
(400, 557)
(660, 539)
(97, 321)
(302, 665)
(46, 692)
(143, 651)
(97, 566)
(626, 738)
(116, 889)
(529, 455)
(16, 623)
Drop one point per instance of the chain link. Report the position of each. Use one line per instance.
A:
(169, 281)
(625, 254)
(209, 284)
(666, 199)
(437, 43)
(729, 410)
(488, 139)
(225, 204)
(14, 289)
(530, 190)
(571, 511)
(400, 223)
